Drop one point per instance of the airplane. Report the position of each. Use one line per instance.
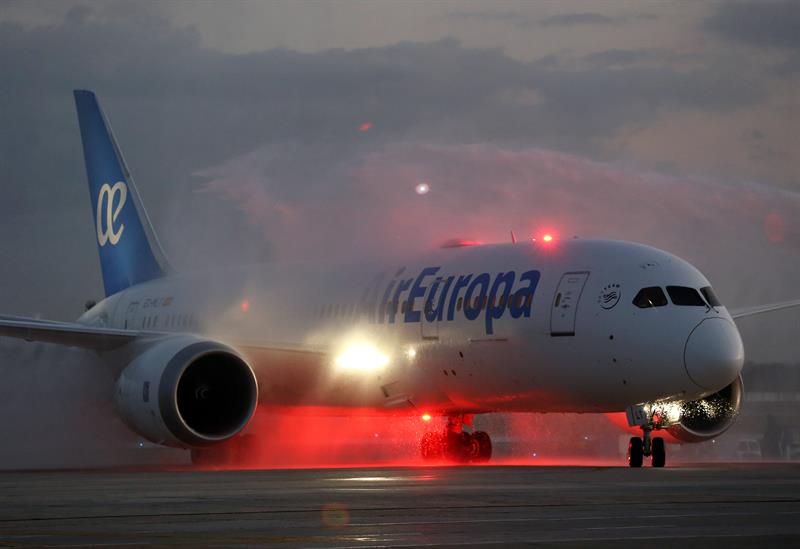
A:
(545, 325)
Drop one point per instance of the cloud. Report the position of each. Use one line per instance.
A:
(481, 191)
(788, 68)
(181, 109)
(517, 19)
(770, 23)
(585, 18)
(259, 156)
(643, 57)
(524, 20)
(743, 237)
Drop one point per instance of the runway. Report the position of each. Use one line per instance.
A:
(486, 506)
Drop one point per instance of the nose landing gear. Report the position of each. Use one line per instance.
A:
(647, 418)
(456, 444)
(652, 447)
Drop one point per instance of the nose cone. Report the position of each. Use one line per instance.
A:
(714, 353)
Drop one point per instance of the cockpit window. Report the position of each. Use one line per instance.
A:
(710, 296)
(650, 297)
(689, 297)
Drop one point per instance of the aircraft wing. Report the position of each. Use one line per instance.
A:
(70, 334)
(73, 334)
(760, 309)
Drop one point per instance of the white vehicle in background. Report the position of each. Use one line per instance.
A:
(748, 449)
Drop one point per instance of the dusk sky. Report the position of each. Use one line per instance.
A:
(294, 130)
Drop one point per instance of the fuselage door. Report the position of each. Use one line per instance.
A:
(131, 313)
(565, 303)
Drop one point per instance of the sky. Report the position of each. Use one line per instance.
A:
(266, 131)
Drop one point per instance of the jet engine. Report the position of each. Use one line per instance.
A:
(708, 417)
(187, 392)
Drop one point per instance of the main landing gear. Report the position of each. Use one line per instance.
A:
(652, 447)
(456, 444)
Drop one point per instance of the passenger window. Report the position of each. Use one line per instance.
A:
(650, 297)
(710, 296)
(685, 297)
(458, 305)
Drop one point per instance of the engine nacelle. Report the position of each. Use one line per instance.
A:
(187, 392)
(709, 417)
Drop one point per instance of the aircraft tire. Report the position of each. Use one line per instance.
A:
(484, 446)
(635, 452)
(659, 452)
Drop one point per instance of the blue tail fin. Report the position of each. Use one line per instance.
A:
(128, 246)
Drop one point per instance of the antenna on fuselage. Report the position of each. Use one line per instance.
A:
(513, 237)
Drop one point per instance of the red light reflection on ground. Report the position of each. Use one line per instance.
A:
(300, 439)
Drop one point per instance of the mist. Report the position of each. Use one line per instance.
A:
(743, 236)
(676, 130)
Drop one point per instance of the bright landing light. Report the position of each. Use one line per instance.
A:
(547, 237)
(362, 357)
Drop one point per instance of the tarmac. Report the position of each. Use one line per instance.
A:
(484, 506)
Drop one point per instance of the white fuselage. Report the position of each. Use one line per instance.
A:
(577, 344)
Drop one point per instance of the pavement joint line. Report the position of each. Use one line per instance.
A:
(556, 519)
(379, 509)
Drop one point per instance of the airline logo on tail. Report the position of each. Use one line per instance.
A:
(105, 205)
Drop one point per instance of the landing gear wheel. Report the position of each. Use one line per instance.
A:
(455, 444)
(659, 452)
(460, 447)
(635, 452)
(484, 446)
